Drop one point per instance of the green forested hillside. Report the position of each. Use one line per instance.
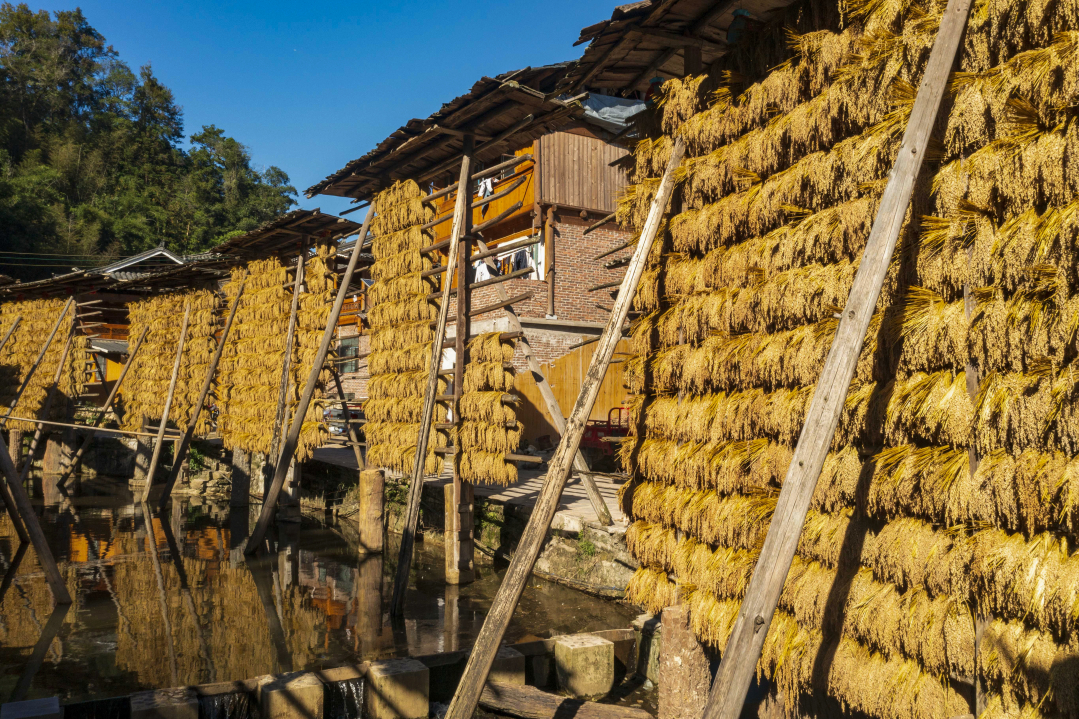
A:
(92, 158)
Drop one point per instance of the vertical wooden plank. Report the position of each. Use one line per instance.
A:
(743, 649)
(463, 705)
(460, 568)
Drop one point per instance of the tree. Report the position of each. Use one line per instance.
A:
(91, 161)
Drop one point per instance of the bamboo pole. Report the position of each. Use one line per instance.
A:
(352, 436)
(10, 331)
(33, 527)
(180, 450)
(553, 408)
(737, 668)
(46, 408)
(487, 644)
(37, 363)
(286, 365)
(74, 463)
(160, 442)
(412, 513)
(289, 450)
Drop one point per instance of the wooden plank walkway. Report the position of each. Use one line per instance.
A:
(573, 508)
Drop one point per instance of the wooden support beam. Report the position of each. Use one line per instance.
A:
(460, 566)
(352, 436)
(611, 251)
(499, 305)
(605, 285)
(484, 283)
(412, 513)
(492, 170)
(33, 527)
(475, 230)
(503, 337)
(549, 258)
(74, 463)
(471, 152)
(10, 331)
(37, 362)
(168, 405)
(289, 450)
(463, 705)
(526, 702)
(601, 62)
(601, 223)
(500, 194)
(179, 453)
(739, 662)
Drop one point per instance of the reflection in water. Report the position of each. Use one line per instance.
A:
(169, 599)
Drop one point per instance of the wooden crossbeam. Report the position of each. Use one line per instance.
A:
(736, 670)
(463, 705)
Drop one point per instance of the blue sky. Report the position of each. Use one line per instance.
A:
(309, 86)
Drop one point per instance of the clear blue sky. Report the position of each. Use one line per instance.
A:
(309, 86)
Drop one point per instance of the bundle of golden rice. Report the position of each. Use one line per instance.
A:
(402, 330)
(146, 387)
(23, 348)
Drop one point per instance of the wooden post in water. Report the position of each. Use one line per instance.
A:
(180, 452)
(33, 527)
(415, 490)
(289, 450)
(160, 442)
(736, 670)
(509, 593)
(74, 463)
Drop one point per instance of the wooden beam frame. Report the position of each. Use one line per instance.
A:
(524, 559)
(160, 443)
(739, 663)
(179, 453)
(412, 513)
(289, 450)
(74, 463)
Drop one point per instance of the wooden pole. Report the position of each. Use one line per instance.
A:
(104, 410)
(739, 663)
(46, 408)
(37, 363)
(412, 513)
(548, 253)
(160, 442)
(483, 653)
(33, 527)
(10, 331)
(460, 553)
(180, 450)
(286, 364)
(289, 450)
(13, 512)
(553, 408)
(352, 436)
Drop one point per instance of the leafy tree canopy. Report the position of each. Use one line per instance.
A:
(91, 163)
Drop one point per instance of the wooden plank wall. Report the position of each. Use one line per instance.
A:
(575, 171)
(565, 375)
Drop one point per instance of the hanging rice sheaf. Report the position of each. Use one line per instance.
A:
(952, 486)
(23, 348)
(402, 329)
(249, 376)
(488, 428)
(147, 384)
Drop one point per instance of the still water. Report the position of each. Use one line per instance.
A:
(171, 600)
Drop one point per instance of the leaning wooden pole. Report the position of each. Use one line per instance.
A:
(553, 408)
(160, 441)
(180, 452)
(415, 490)
(10, 331)
(738, 666)
(37, 363)
(74, 463)
(269, 502)
(33, 527)
(528, 549)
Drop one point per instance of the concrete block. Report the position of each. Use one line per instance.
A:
(685, 674)
(508, 667)
(397, 689)
(625, 649)
(585, 665)
(444, 671)
(176, 703)
(33, 709)
(648, 629)
(539, 662)
(297, 695)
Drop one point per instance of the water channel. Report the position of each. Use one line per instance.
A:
(171, 600)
